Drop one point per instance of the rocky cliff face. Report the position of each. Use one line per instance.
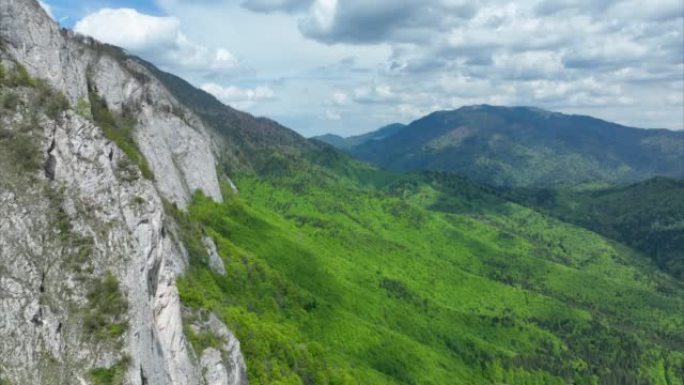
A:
(88, 258)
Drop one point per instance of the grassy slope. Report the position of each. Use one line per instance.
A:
(329, 282)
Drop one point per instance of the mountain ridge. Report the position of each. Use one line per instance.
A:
(356, 140)
(526, 146)
(150, 235)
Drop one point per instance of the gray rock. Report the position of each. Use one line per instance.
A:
(171, 138)
(82, 215)
(213, 369)
(215, 261)
(223, 366)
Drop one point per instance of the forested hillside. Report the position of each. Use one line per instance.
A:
(341, 274)
(525, 147)
(648, 216)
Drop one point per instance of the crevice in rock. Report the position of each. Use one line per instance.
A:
(37, 318)
(59, 328)
(51, 162)
(143, 378)
(153, 278)
(50, 166)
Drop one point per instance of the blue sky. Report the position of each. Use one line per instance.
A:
(350, 66)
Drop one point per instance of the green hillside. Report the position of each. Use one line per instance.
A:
(648, 216)
(533, 268)
(521, 146)
(345, 275)
(338, 273)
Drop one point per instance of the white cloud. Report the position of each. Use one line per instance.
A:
(129, 29)
(268, 6)
(241, 98)
(529, 65)
(656, 10)
(321, 17)
(411, 112)
(340, 98)
(377, 93)
(159, 38)
(600, 57)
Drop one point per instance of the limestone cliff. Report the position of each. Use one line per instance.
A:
(88, 258)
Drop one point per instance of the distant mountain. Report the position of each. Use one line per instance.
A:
(522, 146)
(335, 141)
(354, 141)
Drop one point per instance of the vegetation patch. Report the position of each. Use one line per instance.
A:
(53, 103)
(203, 339)
(20, 149)
(83, 108)
(119, 130)
(105, 314)
(21, 142)
(190, 233)
(113, 375)
(19, 77)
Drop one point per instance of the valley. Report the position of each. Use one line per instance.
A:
(151, 234)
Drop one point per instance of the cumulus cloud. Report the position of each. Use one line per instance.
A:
(129, 29)
(241, 98)
(598, 54)
(358, 21)
(357, 64)
(376, 94)
(156, 37)
(654, 10)
(340, 98)
(268, 6)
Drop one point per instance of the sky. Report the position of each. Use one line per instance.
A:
(351, 66)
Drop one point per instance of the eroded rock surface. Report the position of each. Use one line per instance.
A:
(87, 213)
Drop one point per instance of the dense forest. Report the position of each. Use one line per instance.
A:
(648, 216)
(338, 273)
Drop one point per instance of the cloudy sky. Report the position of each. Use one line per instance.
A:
(350, 66)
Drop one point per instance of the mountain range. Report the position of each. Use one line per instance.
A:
(151, 235)
(522, 146)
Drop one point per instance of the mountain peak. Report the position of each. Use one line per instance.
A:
(525, 146)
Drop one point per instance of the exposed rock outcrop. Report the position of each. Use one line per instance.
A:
(173, 140)
(88, 212)
(215, 261)
(223, 365)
